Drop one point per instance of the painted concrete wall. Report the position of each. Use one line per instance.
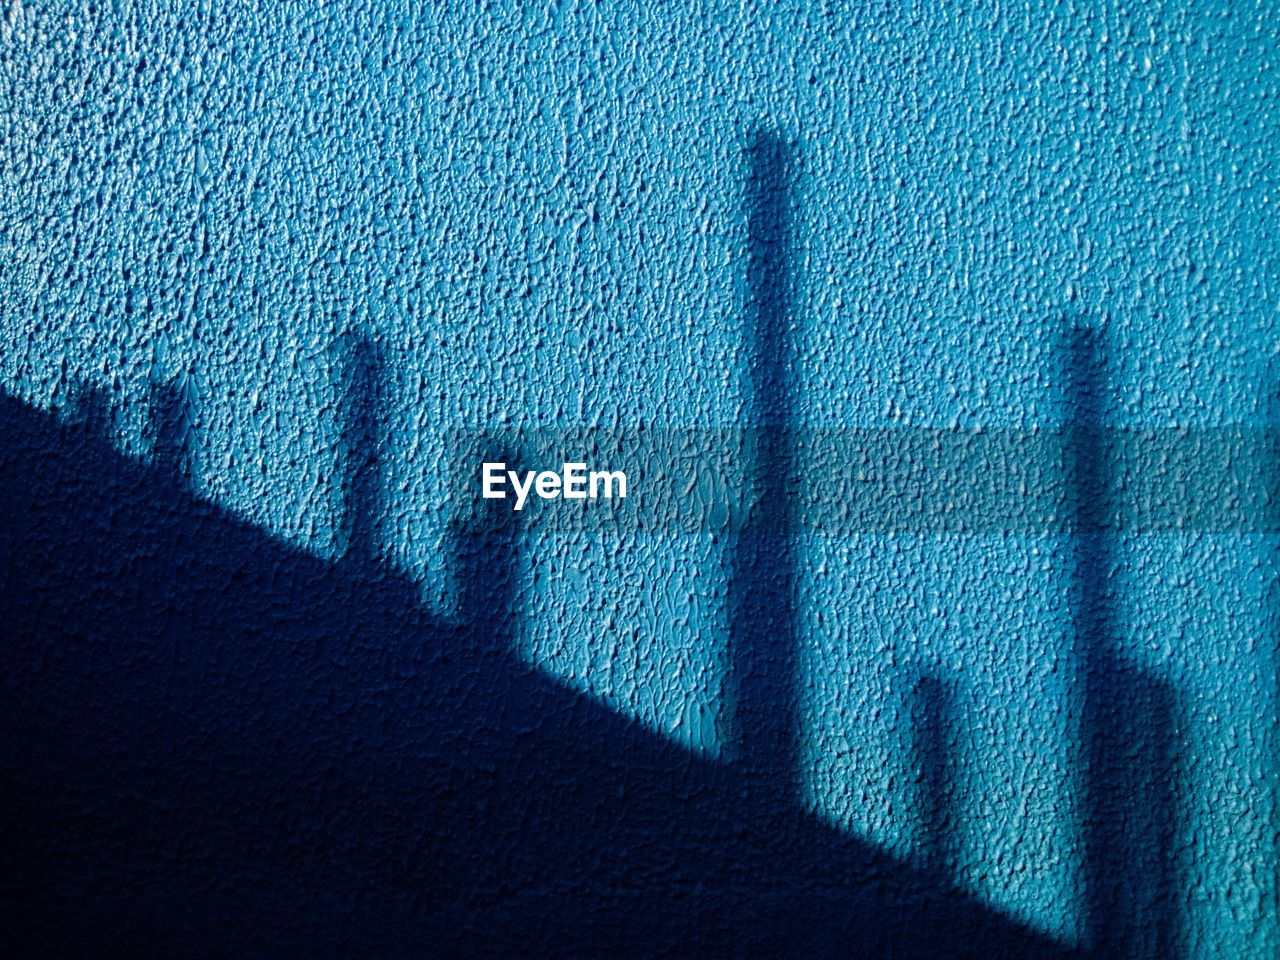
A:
(1014, 218)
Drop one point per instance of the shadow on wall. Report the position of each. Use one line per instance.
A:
(762, 621)
(215, 744)
(1131, 717)
(934, 726)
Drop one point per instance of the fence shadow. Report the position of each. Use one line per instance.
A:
(216, 744)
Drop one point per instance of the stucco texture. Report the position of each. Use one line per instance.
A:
(277, 277)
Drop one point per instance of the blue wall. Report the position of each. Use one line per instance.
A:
(1011, 219)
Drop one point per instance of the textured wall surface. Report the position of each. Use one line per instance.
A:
(274, 279)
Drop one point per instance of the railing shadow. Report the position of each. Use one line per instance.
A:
(216, 744)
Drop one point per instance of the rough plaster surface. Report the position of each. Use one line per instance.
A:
(271, 686)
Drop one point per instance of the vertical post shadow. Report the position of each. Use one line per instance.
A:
(1270, 465)
(172, 412)
(362, 404)
(90, 424)
(762, 631)
(90, 411)
(933, 715)
(480, 546)
(484, 560)
(1130, 716)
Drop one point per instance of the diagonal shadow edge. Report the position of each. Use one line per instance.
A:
(216, 743)
(209, 733)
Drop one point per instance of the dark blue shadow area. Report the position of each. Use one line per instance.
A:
(216, 744)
